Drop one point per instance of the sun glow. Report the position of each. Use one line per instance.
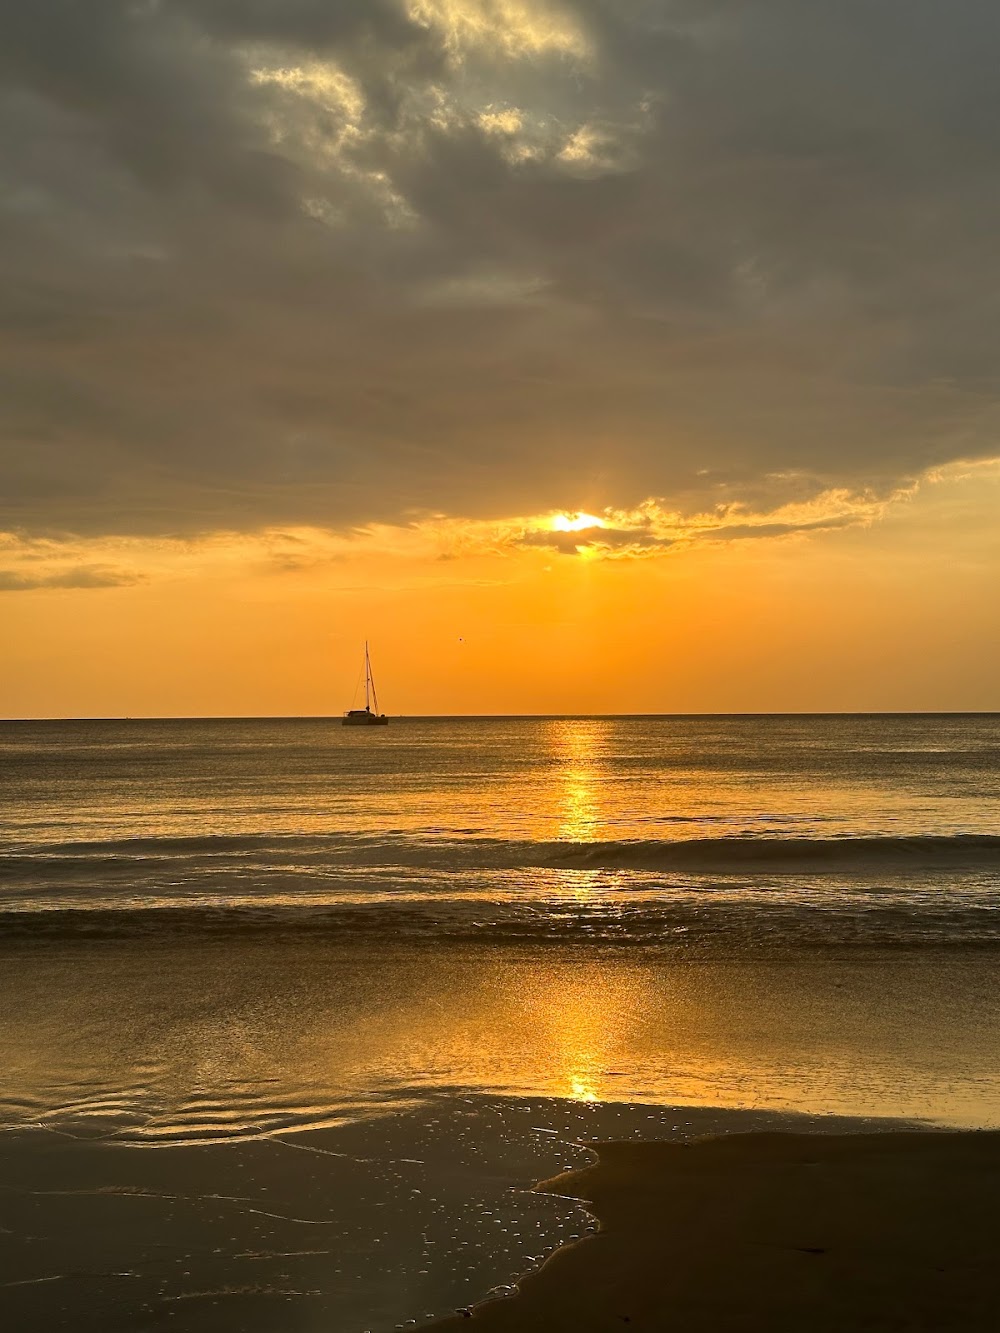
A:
(581, 1089)
(575, 522)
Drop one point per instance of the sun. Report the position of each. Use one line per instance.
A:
(575, 522)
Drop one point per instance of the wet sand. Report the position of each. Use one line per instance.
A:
(773, 1232)
(366, 1225)
(362, 1225)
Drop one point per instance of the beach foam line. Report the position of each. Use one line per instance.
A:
(775, 1232)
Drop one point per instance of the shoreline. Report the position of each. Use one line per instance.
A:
(896, 1229)
(369, 1224)
(381, 1116)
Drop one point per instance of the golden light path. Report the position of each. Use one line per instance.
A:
(577, 1022)
(575, 743)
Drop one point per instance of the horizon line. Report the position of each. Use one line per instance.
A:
(511, 717)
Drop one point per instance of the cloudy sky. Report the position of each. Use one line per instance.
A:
(326, 319)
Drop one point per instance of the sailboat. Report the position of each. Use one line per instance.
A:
(367, 716)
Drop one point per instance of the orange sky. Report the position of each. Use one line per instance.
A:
(865, 617)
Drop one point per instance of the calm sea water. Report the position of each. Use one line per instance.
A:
(739, 835)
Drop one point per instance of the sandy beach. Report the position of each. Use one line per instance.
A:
(736, 1221)
(773, 1231)
(373, 1224)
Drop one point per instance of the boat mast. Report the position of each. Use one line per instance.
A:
(370, 679)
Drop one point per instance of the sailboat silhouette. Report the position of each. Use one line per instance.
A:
(367, 716)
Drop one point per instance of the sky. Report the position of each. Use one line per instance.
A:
(597, 356)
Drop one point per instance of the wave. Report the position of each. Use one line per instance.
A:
(465, 850)
(775, 853)
(687, 927)
(729, 893)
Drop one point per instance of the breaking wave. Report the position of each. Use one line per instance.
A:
(717, 894)
(403, 849)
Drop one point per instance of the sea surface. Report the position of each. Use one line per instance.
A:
(293, 1015)
(727, 836)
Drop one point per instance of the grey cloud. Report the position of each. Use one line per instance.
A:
(308, 24)
(637, 541)
(172, 110)
(218, 308)
(643, 540)
(83, 576)
(750, 531)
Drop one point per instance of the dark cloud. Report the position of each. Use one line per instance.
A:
(310, 25)
(83, 576)
(751, 531)
(644, 537)
(169, 108)
(334, 261)
(604, 541)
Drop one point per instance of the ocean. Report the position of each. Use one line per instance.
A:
(420, 965)
(745, 836)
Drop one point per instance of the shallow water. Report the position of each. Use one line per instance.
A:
(194, 1041)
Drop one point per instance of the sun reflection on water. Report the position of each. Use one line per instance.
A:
(582, 1090)
(577, 746)
(584, 1018)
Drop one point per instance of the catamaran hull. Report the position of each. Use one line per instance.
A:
(366, 720)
